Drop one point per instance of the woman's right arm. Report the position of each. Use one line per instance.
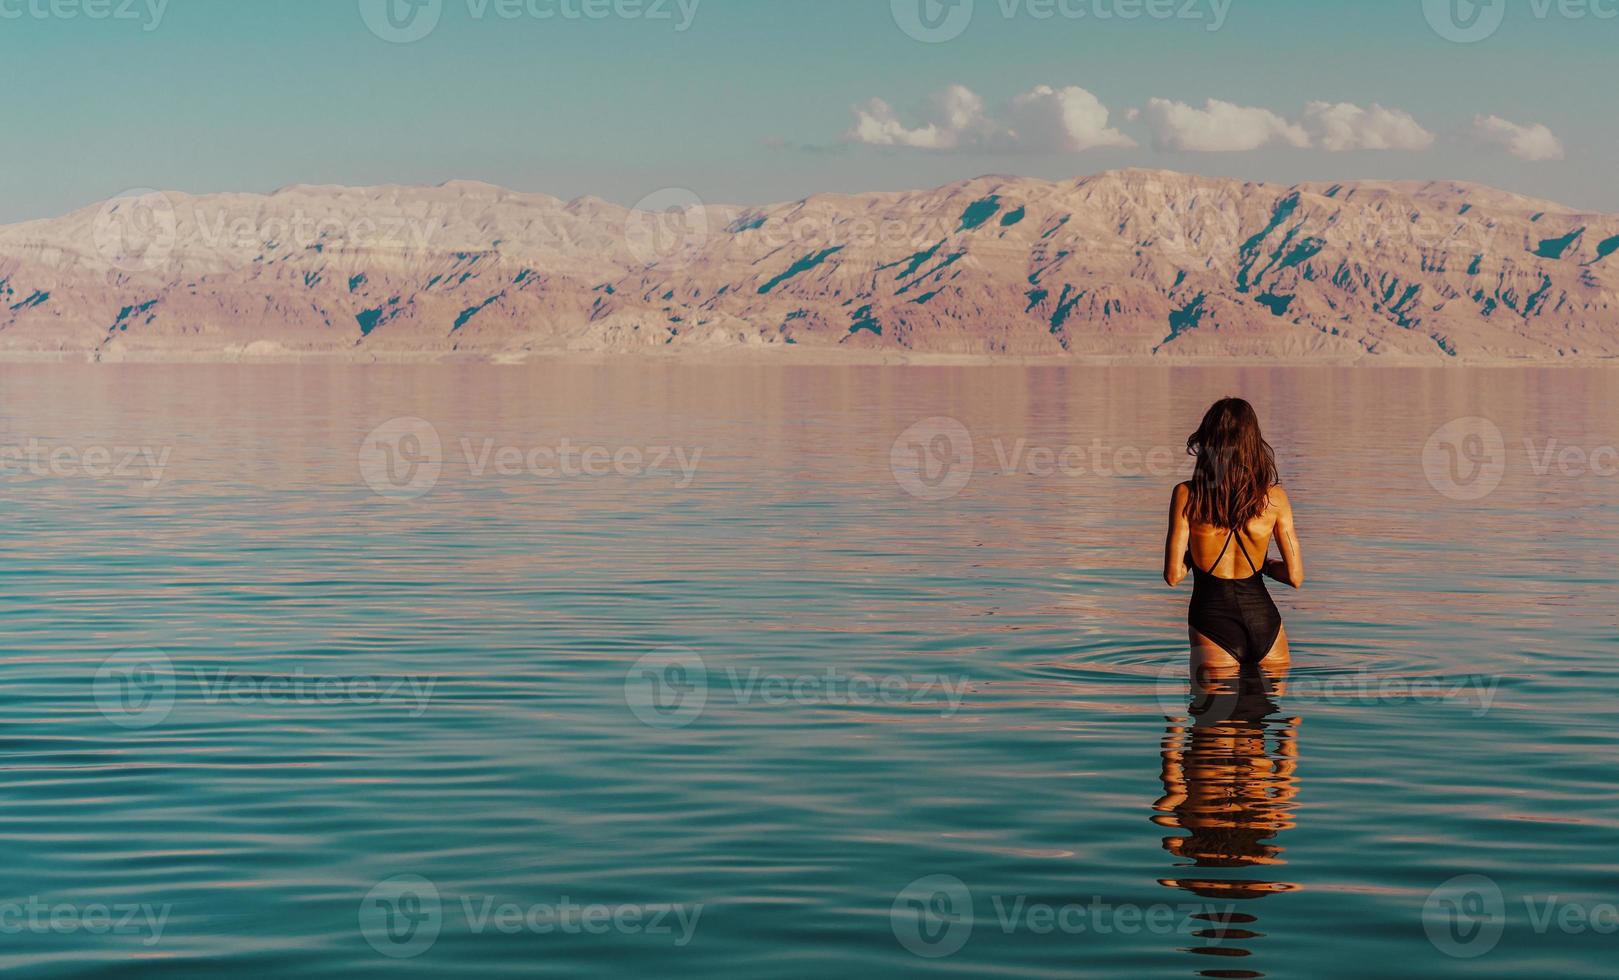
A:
(1289, 570)
(1179, 539)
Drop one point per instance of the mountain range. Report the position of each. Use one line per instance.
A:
(1134, 265)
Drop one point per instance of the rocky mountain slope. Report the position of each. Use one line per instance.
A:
(1138, 264)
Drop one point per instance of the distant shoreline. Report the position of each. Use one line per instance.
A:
(770, 357)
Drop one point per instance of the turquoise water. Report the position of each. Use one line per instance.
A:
(294, 694)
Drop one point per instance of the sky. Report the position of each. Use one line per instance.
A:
(757, 101)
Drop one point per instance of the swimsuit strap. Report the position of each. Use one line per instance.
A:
(1244, 549)
(1240, 547)
(1216, 563)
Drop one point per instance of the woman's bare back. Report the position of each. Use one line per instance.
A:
(1215, 551)
(1203, 543)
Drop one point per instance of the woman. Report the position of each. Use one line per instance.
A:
(1229, 512)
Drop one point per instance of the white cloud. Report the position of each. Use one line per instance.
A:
(1344, 126)
(1067, 120)
(1070, 120)
(1535, 142)
(1224, 127)
(953, 119)
(1218, 127)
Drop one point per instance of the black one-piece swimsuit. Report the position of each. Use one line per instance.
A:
(1236, 613)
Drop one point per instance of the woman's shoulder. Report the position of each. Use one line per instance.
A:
(1277, 498)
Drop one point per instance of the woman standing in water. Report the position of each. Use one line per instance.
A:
(1231, 510)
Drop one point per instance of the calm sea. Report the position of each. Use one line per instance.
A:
(654, 670)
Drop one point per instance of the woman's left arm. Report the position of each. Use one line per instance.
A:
(1180, 539)
(1290, 569)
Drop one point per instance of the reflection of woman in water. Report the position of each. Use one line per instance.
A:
(1230, 780)
(1230, 511)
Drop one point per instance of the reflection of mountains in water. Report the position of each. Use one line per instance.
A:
(1230, 777)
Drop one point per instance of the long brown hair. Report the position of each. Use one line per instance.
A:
(1236, 467)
